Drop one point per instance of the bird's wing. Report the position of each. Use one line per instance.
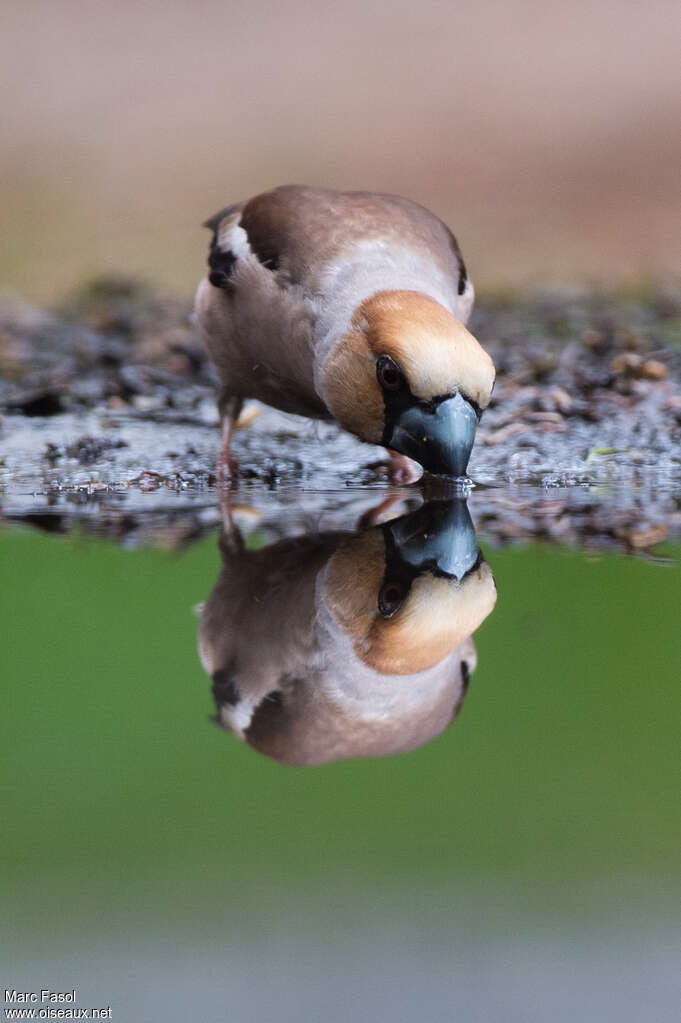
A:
(296, 231)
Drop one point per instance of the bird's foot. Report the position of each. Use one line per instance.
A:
(401, 470)
(226, 470)
(387, 510)
(230, 540)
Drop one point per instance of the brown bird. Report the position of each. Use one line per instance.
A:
(338, 645)
(348, 306)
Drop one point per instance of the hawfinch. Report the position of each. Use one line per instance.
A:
(348, 306)
(344, 645)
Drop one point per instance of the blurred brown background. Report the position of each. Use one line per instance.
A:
(546, 134)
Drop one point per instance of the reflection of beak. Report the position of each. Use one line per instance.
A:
(439, 438)
(438, 536)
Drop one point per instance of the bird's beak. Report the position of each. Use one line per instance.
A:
(438, 536)
(440, 438)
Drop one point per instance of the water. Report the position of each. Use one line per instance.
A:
(520, 863)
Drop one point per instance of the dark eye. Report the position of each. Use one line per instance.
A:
(465, 674)
(390, 599)
(389, 374)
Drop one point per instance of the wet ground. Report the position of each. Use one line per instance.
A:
(109, 422)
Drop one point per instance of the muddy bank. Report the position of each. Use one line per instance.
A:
(109, 420)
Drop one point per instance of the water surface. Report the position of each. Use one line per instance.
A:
(522, 864)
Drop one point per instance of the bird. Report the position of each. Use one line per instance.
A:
(348, 306)
(340, 644)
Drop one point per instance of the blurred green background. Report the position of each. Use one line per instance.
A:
(562, 765)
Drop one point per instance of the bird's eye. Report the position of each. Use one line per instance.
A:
(389, 374)
(390, 599)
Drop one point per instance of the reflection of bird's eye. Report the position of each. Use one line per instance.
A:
(389, 374)
(465, 674)
(390, 599)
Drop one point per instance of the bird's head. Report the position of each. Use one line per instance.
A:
(411, 591)
(409, 375)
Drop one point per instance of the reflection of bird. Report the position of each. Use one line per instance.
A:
(347, 305)
(339, 645)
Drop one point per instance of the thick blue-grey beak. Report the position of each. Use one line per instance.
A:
(439, 437)
(439, 536)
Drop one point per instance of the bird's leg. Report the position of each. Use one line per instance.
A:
(229, 407)
(231, 542)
